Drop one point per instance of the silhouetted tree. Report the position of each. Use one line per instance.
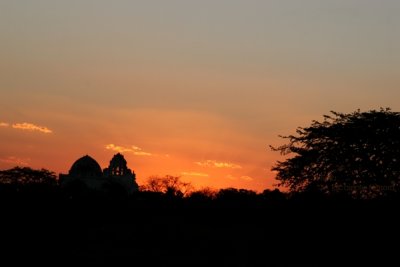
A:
(27, 176)
(273, 195)
(233, 196)
(169, 185)
(205, 193)
(355, 154)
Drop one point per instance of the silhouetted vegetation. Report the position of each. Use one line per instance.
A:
(27, 176)
(169, 185)
(162, 226)
(26, 181)
(356, 154)
(169, 223)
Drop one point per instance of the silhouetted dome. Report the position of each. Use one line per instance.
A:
(85, 167)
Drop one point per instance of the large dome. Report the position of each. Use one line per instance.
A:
(85, 167)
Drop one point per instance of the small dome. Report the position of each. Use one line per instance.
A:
(85, 167)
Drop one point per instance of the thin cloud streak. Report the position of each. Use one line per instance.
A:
(217, 164)
(4, 124)
(244, 177)
(194, 174)
(135, 150)
(31, 127)
(15, 160)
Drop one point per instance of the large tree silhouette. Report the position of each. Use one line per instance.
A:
(356, 154)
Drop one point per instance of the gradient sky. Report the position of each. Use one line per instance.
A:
(191, 88)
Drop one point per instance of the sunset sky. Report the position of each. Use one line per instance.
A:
(198, 89)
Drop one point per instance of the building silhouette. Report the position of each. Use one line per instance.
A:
(88, 172)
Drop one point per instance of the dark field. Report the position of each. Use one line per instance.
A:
(159, 231)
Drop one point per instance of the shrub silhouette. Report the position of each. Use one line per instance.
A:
(169, 185)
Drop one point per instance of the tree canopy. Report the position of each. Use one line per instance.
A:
(170, 185)
(356, 154)
(27, 176)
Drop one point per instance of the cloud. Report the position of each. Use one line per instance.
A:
(15, 161)
(119, 149)
(31, 127)
(244, 177)
(135, 150)
(217, 164)
(231, 177)
(27, 127)
(194, 174)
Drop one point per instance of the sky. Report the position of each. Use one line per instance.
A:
(197, 89)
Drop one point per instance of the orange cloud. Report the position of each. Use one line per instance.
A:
(133, 149)
(31, 127)
(246, 178)
(216, 164)
(4, 124)
(194, 174)
(15, 161)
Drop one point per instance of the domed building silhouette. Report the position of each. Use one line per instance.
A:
(85, 167)
(87, 172)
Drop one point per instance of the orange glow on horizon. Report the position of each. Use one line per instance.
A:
(167, 143)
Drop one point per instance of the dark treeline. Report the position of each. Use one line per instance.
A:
(28, 186)
(165, 226)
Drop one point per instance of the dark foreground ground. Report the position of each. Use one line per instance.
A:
(132, 232)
